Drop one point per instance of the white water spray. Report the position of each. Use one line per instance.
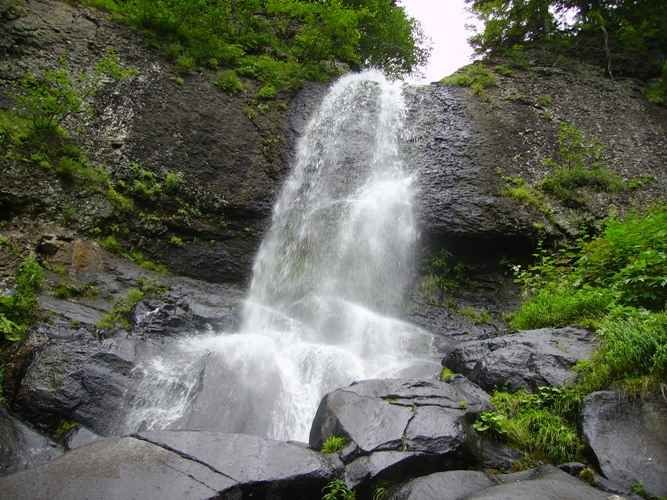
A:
(328, 283)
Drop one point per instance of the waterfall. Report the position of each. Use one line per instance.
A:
(328, 285)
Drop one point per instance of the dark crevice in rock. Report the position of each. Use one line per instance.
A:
(181, 454)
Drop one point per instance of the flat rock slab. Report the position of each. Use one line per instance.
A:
(179, 465)
(21, 447)
(398, 426)
(450, 485)
(543, 483)
(524, 360)
(629, 439)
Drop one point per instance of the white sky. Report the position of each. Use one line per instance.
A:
(444, 22)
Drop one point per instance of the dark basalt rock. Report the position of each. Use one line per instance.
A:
(75, 375)
(21, 447)
(461, 207)
(543, 483)
(80, 437)
(524, 360)
(398, 425)
(179, 465)
(450, 485)
(628, 439)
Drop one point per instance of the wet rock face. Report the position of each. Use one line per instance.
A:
(394, 426)
(177, 465)
(21, 447)
(70, 369)
(233, 157)
(524, 360)
(450, 485)
(543, 483)
(628, 439)
(460, 206)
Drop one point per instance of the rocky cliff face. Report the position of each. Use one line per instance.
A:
(233, 153)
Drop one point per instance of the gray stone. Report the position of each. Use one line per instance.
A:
(543, 483)
(628, 438)
(450, 485)
(523, 360)
(176, 465)
(80, 437)
(21, 447)
(397, 427)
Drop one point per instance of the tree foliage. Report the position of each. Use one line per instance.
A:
(280, 42)
(626, 36)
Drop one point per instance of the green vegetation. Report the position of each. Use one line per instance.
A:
(336, 489)
(545, 101)
(230, 82)
(446, 374)
(333, 444)
(626, 266)
(477, 316)
(18, 310)
(443, 274)
(281, 43)
(518, 189)
(657, 89)
(119, 316)
(579, 164)
(615, 284)
(69, 290)
(623, 37)
(120, 313)
(534, 423)
(476, 76)
(64, 428)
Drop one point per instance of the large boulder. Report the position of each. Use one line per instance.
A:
(449, 485)
(395, 426)
(628, 439)
(21, 447)
(523, 360)
(543, 483)
(177, 465)
(71, 369)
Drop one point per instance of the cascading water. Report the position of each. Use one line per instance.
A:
(328, 284)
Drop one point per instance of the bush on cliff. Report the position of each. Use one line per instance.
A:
(279, 42)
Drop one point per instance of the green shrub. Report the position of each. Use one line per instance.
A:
(545, 101)
(267, 91)
(47, 100)
(111, 244)
(176, 241)
(229, 81)
(333, 444)
(173, 181)
(279, 42)
(518, 189)
(476, 76)
(446, 374)
(656, 92)
(18, 310)
(626, 265)
(477, 316)
(615, 283)
(336, 489)
(557, 306)
(534, 423)
(185, 64)
(111, 66)
(578, 164)
(119, 316)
